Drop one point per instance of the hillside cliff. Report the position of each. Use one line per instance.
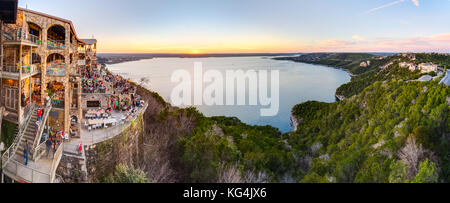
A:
(389, 129)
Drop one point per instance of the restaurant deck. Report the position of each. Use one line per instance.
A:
(94, 136)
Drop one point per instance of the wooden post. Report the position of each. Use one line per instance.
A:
(1, 58)
(31, 63)
(20, 110)
(1, 82)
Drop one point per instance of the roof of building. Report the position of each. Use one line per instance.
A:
(425, 78)
(8, 11)
(90, 41)
(56, 18)
(446, 79)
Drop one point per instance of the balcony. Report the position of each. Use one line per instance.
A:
(19, 37)
(56, 69)
(74, 70)
(12, 71)
(81, 62)
(56, 44)
(59, 104)
(94, 91)
(81, 50)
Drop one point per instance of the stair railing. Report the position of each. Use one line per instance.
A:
(37, 145)
(11, 151)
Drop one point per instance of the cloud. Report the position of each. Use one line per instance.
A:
(431, 43)
(358, 38)
(335, 43)
(415, 2)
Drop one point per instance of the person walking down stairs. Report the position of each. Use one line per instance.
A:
(28, 138)
(48, 145)
(26, 150)
(39, 114)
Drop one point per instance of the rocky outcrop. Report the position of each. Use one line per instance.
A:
(340, 97)
(126, 148)
(73, 169)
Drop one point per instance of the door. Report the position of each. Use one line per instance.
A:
(11, 97)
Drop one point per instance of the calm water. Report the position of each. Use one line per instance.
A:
(298, 83)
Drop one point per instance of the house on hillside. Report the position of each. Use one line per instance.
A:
(364, 64)
(428, 67)
(410, 66)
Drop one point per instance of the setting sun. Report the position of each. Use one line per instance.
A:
(195, 51)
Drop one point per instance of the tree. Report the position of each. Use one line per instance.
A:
(411, 154)
(427, 173)
(143, 81)
(125, 174)
(398, 173)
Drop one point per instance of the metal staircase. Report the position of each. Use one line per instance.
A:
(11, 151)
(28, 132)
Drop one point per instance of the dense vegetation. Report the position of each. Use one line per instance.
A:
(222, 149)
(127, 174)
(440, 59)
(346, 61)
(391, 129)
(8, 133)
(361, 81)
(365, 138)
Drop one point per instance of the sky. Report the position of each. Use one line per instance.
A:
(256, 26)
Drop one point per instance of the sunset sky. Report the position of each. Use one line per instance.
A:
(256, 26)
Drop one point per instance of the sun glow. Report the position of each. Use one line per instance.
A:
(195, 51)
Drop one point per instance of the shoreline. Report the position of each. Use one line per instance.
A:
(132, 58)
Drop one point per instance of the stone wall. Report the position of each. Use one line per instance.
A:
(72, 169)
(104, 101)
(127, 148)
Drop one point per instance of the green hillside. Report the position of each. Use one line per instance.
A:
(364, 138)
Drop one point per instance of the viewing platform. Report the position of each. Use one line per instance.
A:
(115, 125)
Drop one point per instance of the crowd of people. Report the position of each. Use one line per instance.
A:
(120, 85)
(92, 82)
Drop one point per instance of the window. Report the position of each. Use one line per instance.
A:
(93, 104)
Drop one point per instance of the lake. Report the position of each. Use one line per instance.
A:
(299, 82)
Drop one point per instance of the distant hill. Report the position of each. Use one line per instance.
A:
(113, 58)
(389, 129)
(347, 61)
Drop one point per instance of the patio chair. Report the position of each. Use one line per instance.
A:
(89, 128)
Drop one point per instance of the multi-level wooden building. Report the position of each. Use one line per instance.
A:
(47, 70)
(42, 56)
(41, 62)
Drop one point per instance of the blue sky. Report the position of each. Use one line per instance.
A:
(222, 26)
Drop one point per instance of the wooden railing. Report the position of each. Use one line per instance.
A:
(39, 151)
(56, 159)
(10, 68)
(20, 172)
(56, 69)
(25, 69)
(21, 35)
(36, 144)
(56, 44)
